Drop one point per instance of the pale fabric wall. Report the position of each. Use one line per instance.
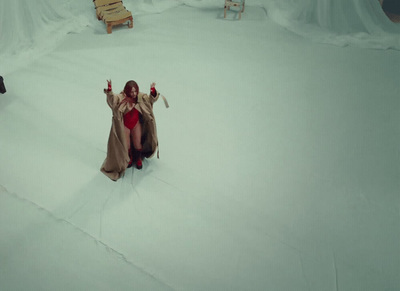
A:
(340, 22)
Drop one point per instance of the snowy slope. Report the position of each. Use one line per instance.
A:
(278, 169)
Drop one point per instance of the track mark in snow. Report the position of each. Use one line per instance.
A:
(165, 182)
(102, 212)
(110, 249)
(302, 271)
(78, 209)
(134, 189)
(336, 273)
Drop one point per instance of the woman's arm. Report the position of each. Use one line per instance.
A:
(153, 93)
(112, 99)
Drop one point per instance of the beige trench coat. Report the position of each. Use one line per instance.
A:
(117, 159)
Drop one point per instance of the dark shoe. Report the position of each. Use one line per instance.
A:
(139, 164)
(130, 159)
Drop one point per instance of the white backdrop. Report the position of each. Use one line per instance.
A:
(279, 159)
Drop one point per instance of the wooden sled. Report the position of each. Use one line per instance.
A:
(112, 12)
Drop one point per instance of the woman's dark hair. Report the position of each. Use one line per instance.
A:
(128, 87)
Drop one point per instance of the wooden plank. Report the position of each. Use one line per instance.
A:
(100, 10)
(99, 3)
(112, 11)
(117, 16)
(111, 6)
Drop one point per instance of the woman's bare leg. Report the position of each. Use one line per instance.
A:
(128, 142)
(136, 134)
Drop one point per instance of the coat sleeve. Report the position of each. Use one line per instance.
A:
(115, 101)
(112, 99)
(151, 99)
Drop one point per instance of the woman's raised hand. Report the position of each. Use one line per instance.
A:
(153, 89)
(109, 89)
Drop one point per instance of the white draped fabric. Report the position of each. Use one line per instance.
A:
(26, 24)
(360, 23)
(340, 22)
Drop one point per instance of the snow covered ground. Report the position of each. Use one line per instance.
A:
(279, 156)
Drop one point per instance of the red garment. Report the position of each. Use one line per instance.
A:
(131, 118)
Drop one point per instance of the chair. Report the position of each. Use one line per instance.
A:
(230, 3)
(112, 12)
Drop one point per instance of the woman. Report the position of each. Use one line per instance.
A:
(133, 123)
